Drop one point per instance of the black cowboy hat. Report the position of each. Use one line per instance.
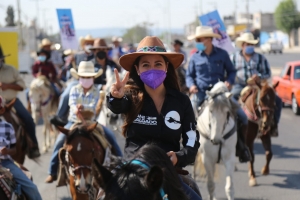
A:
(2, 54)
(44, 52)
(178, 42)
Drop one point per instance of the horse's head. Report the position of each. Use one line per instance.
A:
(78, 154)
(149, 176)
(40, 89)
(218, 111)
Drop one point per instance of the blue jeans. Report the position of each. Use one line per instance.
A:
(200, 97)
(27, 186)
(63, 106)
(26, 119)
(110, 136)
(192, 195)
(59, 143)
(236, 90)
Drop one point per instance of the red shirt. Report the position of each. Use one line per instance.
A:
(47, 69)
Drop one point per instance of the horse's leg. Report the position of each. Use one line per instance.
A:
(266, 141)
(45, 147)
(210, 171)
(250, 137)
(229, 165)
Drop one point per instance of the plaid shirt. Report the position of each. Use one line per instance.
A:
(88, 100)
(258, 64)
(7, 137)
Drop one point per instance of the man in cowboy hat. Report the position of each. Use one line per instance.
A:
(55, 56)
(86, 54)
(207, 67)
(250, 64)
(10, 84)
(116, 51)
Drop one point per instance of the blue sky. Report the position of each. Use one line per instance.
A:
(90, 14)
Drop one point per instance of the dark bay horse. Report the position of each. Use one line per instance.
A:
(80, 149)
(149, 176)
(23, 141)
(258, 102)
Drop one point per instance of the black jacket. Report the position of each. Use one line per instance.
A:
(176, 121)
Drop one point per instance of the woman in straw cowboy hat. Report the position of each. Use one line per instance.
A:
(207, 67)
(154, 108)
(250, 64)
(83, 97)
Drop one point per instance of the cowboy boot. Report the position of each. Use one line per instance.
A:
(242, 149)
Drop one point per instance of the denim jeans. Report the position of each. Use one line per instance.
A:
(26, 119)
(27, 186)
(192, 195)
(59, 143)
(200, 97)
(236, 90)
(110, 136)
(63, 106)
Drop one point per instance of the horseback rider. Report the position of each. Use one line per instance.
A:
(83, 97)
(7, 148)
(155, 109)
(250, 64)
(207, 67)
(10, 84)
(55, 56)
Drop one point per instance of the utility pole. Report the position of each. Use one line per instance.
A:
(248, 14)
(20, 25)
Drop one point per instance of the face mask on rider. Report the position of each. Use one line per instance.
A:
(249, 50)
(87, 48)
(86, 82)
(42, 58)
(153, 77)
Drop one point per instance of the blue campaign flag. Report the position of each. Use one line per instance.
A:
(67, 29)
(214, 20)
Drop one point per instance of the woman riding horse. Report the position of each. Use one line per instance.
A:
(155, 109)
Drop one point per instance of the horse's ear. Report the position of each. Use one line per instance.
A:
(91, 127)
(154, 179)
(208, 93)
(63, 130)
(275, 85)
(228, 95)
(102, 175)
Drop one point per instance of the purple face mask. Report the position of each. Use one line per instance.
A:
(153, 77)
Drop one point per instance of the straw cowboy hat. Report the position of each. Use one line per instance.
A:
(68, 52)
(116, 39)
(88, 38)
(46, 42)
(100, 43)
(247, 38)
(150, 45)
(85, 69)
(204, 31)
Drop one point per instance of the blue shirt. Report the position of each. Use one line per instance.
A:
(204, 70)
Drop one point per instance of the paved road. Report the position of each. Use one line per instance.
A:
(282, 183)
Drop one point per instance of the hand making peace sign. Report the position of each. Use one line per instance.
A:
(117, 89)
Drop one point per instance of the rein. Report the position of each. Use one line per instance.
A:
(163, 195)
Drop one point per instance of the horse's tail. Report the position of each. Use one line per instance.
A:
(199, 168)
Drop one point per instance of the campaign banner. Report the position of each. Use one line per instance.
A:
(214, 20)
(67, 29)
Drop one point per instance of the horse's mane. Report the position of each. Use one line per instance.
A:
(130, 175)
(79, 131)
(266, 89)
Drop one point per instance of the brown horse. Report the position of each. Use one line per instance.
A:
(23, 141)
(258, 102)
(81, 147)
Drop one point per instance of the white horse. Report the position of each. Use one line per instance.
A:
(218, 137)
(41, 97)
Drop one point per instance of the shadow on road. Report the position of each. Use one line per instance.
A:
(278, 151)
(245, 199)
(289, 182)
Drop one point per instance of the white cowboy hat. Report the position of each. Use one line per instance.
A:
(85, 69)
(204, 31)
(45, 42)
(247, 38)
(116, 39)
(88, 38)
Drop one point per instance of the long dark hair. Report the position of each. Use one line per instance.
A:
(135, 91)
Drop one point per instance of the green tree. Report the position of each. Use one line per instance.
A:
(287, 17)
(135, 34)
(10, 18)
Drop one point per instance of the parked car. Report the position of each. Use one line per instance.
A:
(272, 46)
(288, 88)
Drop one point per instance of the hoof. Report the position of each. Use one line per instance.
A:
(252, 182)
(265, 171)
